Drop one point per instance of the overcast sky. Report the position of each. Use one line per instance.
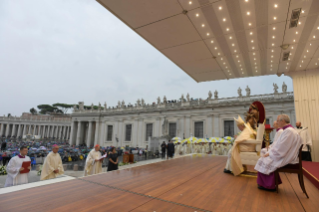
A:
(75, 50)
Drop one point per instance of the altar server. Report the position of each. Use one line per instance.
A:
(52, 166)
(283, 152)
(14, 168)
(93, 164)
(306, 140)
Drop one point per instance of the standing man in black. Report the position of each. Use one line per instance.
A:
(163, 146)
(170, 149)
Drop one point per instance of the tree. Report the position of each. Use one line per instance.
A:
(47, 109)
(63, 107)
(9, 114)
(33, 111)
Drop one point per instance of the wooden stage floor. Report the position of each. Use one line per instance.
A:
(190, 183)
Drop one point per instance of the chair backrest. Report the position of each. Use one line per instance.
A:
(300, 157)
(260, 132)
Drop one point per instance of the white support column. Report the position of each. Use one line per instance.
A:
(141, 132)
(306, 97)
(67, 133)
(97, 130)
(34, 129)
(24, 130)
(63, 132)
(13, 130)
(187, 128)
(19, 130)
(7, 129)
(209, 126)
(2, 129)
(216, 126)
(89, 136)
(103, 134)
(78, 134)
(52, 131)
(71, 140)
(115, 133)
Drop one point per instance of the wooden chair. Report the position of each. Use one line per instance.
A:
(293, 168)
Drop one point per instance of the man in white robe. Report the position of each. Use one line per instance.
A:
(93, 163)
(306, 141)
(52, 166)
(14, 168)
(284, 151)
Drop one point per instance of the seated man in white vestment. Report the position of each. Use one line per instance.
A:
(14, 168)
(52, 166)
(284, 151)
(234, 164)
(93, 164)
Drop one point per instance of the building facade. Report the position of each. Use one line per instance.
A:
(134, 125)
(45, 126)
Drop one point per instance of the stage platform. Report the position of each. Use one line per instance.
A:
(190, 183)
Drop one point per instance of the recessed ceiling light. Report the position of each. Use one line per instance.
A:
(314, 36)
(227, 29)
(300, 65)
(316, 63)
(254, 58)
(303, 11)
(299, 22)
(276, 5)
(286, 68)
(226, 67)
(239, 61)
(218, 53)
(271, 61)
(273, 44)
(256, 71)
(273, 37)
(294, 40)
(207, 34)
(224, 63)
(288, 58)
(251, 33)
(302, 61)
(240, 65)
(318, 28)
(287, 63)
(305, 56)
(203, 25)
(272, 50)
(197, 15)
(307, 51)
(275, 18)
(272, 56)
(224, 19)
(249, 24)
(229, 74)
(248, 13)
(221, 58)
(254, 53)
(292, 47)
(241, 69)
(230, 37)
(212, 41)
(220, 8)
(190, 2)
(237, 56)
(255, 66)
(296, 32)
(242, 72)
(233, 44)
(270, 65)
(310, 44)
(215, 47)
(253, 47)
(252, 41)
(255, 63)
(274, 28)
(235, 50)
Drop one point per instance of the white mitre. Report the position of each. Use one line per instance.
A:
(239, 121)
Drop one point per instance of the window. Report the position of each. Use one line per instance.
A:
(128, 132)
(149, 131)
(267, 121)
(172, 129)
(109, 132)
(199, 129)
(229, 128)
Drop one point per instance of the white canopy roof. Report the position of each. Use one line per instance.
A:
(224, 39)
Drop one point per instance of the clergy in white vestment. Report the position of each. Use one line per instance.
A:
(306, 141)
(52, 166)
(93, 164)
(277, 135)
(284, 151)
(14, 168)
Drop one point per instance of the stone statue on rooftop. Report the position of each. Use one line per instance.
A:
(138, 103)
(92, 106)
(216, 94)
(247, 91)
(142, 102)
(123, 104)
(187, 97)
(74, 109)
(239, 92)
(158, 100)
(105, 106)
(210, 95)
(164, 100)
(99, 106)
(119, 104)
(284, 87)
(275, 88)
(182, 98)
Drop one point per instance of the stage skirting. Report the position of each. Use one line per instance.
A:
(311, 171)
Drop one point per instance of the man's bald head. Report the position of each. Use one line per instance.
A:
(55, 148)
(298, 124)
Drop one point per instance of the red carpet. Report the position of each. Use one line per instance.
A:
(311, 171)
